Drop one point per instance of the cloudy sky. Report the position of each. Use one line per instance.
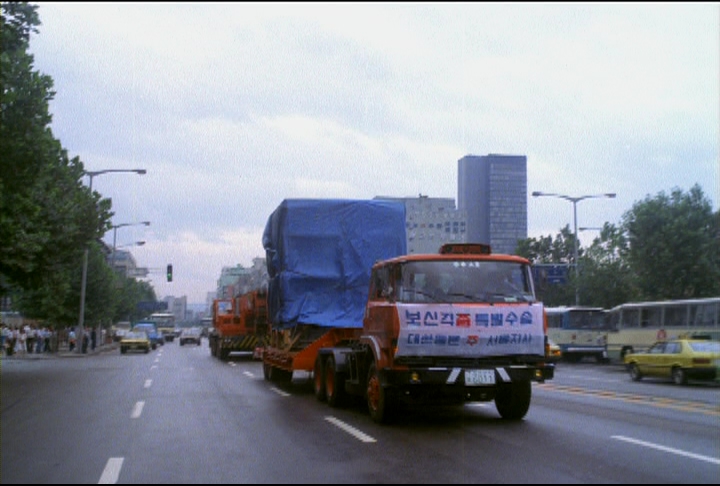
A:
(232, 108)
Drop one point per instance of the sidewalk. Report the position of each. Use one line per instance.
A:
(64, 352)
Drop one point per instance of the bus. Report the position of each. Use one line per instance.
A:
(165, 322)
(637, 325)
(579, 331)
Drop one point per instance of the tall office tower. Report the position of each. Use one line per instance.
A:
(492, 191)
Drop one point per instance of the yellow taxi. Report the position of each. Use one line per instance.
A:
(678, 359)
(554, 353)
(135, 341)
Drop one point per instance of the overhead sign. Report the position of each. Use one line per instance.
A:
(151, 306)
(550, 273)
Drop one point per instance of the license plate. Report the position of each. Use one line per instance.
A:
(479, 377)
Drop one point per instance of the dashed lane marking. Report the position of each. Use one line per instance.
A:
(658, 447)
(350, 430)
(111, 473)
(137, 410)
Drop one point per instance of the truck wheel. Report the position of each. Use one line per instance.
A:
(224, 354)
(513, 399)
(123, 350)
(334, 384)
(378, 401)
(319, 379)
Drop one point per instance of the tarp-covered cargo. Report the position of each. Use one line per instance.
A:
(319, 255)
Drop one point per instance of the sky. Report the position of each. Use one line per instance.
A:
(233, 107)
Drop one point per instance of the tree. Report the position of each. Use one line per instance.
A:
(47, 216)
(559, 251)
(673, 245)
(606, 279)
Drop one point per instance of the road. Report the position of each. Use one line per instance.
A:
(177, 415)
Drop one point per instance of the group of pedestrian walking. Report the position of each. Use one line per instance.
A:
(28, 339)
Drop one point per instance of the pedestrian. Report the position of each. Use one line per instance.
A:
(93, 338)
(85, 341)
(21, 343)
(71, 339)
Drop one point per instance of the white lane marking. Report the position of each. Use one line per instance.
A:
(153, 367)
(248, 374)
(112, 471)
(148, 383)
(137, 410)
(157, 360)
(478, 404)
(711, 460)
(280, 392)
(350, 430)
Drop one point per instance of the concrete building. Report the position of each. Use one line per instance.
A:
(431, 222)
(492, 192)
(178, 307)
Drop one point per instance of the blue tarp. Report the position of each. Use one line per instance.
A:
(319, 254)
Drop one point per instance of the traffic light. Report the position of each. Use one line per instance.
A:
(169, 273)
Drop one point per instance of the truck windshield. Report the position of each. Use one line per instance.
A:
(462, 281)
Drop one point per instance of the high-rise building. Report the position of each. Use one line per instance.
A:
(430, 222)
(492, 192)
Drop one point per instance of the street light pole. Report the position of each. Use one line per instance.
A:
(574, 201)
(112, 258)
(83, 285)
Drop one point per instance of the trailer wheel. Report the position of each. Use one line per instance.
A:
(266, 371)
(379, 404)
(513, 399)
(334, 384)
(319, 379)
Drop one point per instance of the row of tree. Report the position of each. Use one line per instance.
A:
(47, 215)
(666, 247)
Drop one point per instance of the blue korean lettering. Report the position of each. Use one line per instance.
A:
(426, 339)
(413, 318)
(430, 318)
(482, 320)
(526, 318)
(496, 320)
(447, 319)
(453, 340)
(413, 338)
(511, 318)
(441, 340)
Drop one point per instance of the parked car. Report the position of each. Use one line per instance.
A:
(155, 336)
(135, 341)
(191, 335)
(678, 359)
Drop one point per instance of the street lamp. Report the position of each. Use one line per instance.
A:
(83, 285)
(574, 201)
(115, 228)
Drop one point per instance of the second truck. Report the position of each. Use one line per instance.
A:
(347, 303)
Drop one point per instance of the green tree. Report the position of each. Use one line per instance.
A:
(559, 251)
(47, 216)
(673, 245)
(606, 279)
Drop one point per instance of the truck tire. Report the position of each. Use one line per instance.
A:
(266, 371)
(123, 350)
(512, 400)
(224, 354)
(319, 379)
(378, 401)
(334, 384)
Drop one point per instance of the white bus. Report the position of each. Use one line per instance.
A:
(579, 331)
(165, 322)
(637, 325)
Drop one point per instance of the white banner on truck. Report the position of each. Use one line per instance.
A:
(470, 331)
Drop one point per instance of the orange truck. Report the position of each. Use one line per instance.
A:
(448, 328)
(239, 325)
